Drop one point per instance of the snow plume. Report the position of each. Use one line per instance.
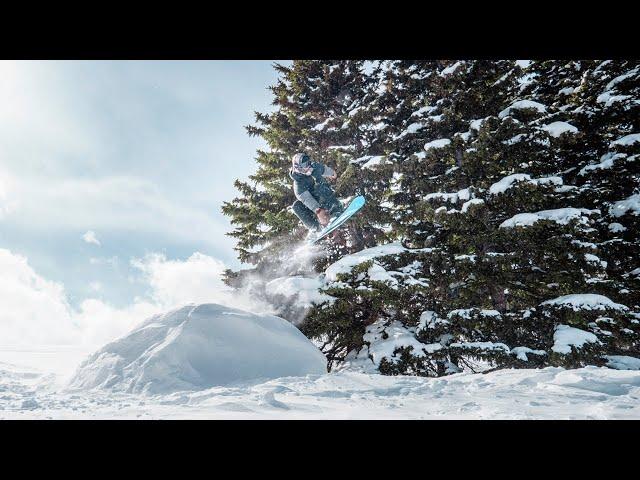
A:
(289, 287)
(286, 283)
(303, 255)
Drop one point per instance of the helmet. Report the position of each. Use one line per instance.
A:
(302, 163)
(301, 160)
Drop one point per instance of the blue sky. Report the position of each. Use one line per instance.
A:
(142, 153)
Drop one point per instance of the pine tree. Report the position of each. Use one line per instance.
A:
(501, 148)
(509, 192)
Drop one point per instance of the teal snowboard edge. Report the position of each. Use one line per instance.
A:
(355, 205)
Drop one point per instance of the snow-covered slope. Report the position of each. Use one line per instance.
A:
(197, 347)
(32, 391)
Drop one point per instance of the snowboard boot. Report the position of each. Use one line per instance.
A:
(323, 216)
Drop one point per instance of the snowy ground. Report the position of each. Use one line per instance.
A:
(32, 385)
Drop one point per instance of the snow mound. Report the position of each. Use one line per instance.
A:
(449, 70)
(522, 105)
(586, 301)
(632, 204)
(559, 215)
(606, 161)
(464, 194)
(556, 129)
(197, 347)
(474, 201)
(385, 340)
(507, 182)
(626, 140)
(440, 143)
(374, 161)
(565, 337)
(623, 362)
(346, 263)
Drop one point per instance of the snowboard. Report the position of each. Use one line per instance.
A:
(355, 205)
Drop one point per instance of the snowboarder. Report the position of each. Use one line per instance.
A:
(316, 201)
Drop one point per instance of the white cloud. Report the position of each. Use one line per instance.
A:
(32, 308)
(98, 322)
(90, 237)
(127, 145)
(7, 203)
(198, 279)
(111, 261)
(40, 122)
(133, 150)
(35, 310)
(110, 204)
(174, 282)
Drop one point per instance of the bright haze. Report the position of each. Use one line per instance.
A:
(112, 175)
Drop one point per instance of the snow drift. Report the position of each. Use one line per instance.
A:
(197, 347)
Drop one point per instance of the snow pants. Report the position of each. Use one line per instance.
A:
(322, 196)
